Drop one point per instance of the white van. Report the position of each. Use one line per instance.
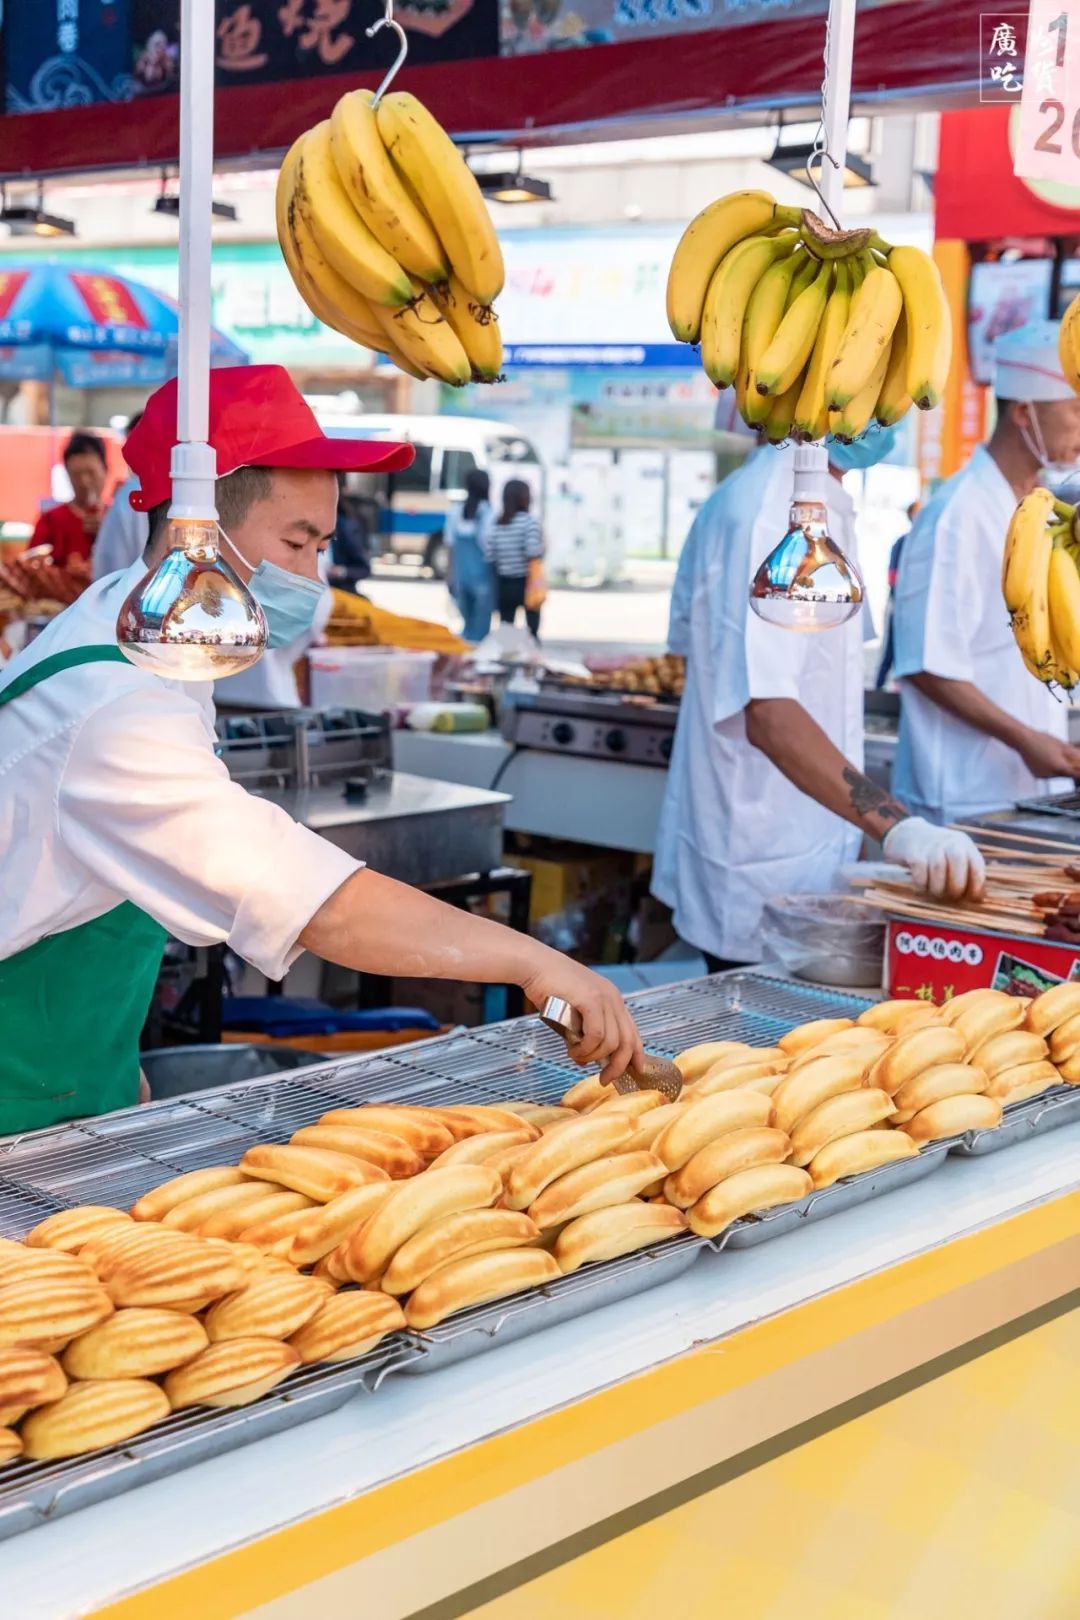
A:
(405, 511)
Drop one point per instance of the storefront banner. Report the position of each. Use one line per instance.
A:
(65, 53)
(549, 25)
(979, 196)
(1048, 139)
(933, 963)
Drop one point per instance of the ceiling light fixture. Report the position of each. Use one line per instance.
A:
(26, 219)
(511, 186)
(168, 203)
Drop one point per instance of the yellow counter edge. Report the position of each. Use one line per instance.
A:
(292, 1558)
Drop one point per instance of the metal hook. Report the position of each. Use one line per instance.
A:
(825, 155)
(388, 20)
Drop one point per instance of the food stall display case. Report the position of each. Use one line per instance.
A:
(645, 1381)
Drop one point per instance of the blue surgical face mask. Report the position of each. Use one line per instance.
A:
(863, 452)
(289, 601)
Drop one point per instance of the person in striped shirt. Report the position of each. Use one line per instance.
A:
(513, 541)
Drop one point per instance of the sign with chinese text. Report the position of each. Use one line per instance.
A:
(528, 26)
(934, 963)
(1048, 142)
(66, 53)
(1001, 56)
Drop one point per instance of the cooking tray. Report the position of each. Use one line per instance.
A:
(751, 1230)
(33, 1493)
(484, 1327)
(1054, 1108)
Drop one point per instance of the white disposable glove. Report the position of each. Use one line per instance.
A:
(945, 862)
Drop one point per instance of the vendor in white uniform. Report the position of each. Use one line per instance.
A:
(118, 824)
(977, 731)
(766, 794)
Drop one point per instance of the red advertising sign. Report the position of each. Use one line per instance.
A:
(932, 963)
(108, 301)
(10, 286)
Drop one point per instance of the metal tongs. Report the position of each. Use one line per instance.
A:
(656, 1074)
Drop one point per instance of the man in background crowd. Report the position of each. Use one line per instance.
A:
(124, 532)
(71, 529)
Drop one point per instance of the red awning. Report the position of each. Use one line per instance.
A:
(922, 50)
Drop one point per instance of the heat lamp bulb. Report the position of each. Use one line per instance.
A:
(806, 583)
(192, 618)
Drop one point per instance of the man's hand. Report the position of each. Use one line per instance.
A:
(610, 1035)
(91, 519)
(944, 862)
(1049, 756)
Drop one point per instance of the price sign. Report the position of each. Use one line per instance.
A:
(1048, 144)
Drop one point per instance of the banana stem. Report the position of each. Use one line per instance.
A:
(1063, 510)
(879, 244)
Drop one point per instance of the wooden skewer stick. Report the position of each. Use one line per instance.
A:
(986, 833)
(901, 906)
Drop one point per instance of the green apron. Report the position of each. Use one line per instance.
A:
(72, 1005)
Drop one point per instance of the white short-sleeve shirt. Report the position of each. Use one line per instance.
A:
(733, 830)
(110, 790)
(950, 620)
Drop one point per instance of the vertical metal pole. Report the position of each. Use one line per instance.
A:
(194, 464)
(839, 57)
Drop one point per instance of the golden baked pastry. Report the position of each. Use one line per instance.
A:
(1054, 1007)
(135, 1343)
(91, 1415)
(542, 1115)
(747, 1193)
(563, 1150)
(69, 1229)
(475, 1281)
(45, 1310)
(805, 1088)
(954, 1115)
(586, 1094)
(324, 1227)
(474, 1231)
(1025, 1080)
(316, 1172)
(649, 1126)
(698, 1060)
(805, 1036)
(611, 1180)
(191, 1214)
(893, 1017)
(274, 1236)
(103, 1252)
(10, 1446)
(232, 1223)
(390, 1153)
(156, 1204)
(233, 1373)
(706, 1118)
(416, 1203)
(943, 1080)
(348, 1325)
(619, 1229)
(840, 1116)
(474, 1118)
(756, 1074)
(730, 1153)
(53, 1263)
(272, 1306)
(852, 1155)
(174, 1274)
(914, 1050)
(27, 1378)
(483, 1147)
(419, 1127)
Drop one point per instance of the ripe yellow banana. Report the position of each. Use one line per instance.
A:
(781, 417)
(858, 413)
(377, 193)
(782, 363)
(1063, 601)
(477, 329)
(764, 313)
(1069, 344)
(929, 324)
(329, 296)
(706, 240)
(341, 234)
(811, 413)
(726, 302)
(1024, 543)
(1026, 579)
(427, 340)
(894, 401)
(875, 310)
(446, 190)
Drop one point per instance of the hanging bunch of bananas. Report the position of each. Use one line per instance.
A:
(1040, 580)
(388, 238)
(1069, 344)
(818, 331)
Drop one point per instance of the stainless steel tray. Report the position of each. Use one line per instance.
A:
(485, 1327)
(751, 1230)
(34, 1493)
(1054, 1108)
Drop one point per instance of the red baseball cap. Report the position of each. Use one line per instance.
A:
(258, 418)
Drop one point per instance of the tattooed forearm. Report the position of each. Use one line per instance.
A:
(867, 799)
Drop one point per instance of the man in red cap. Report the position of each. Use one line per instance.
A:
(119, 825)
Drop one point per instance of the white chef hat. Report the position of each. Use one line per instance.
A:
(1026, 364)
